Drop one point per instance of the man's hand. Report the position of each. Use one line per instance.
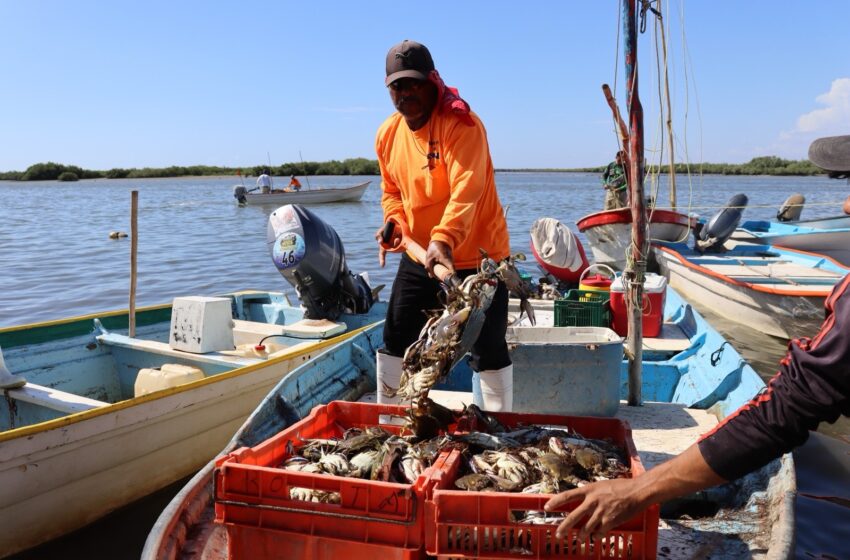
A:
(609, 503)
(438, 253)
(394, 243)
(605, 504)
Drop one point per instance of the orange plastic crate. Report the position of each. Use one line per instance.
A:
(462, 524)
(251, 491)
(250, 543)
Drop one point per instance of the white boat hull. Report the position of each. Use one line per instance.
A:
(783, 316)
(57, 480)
(310, 196)
(610, 242)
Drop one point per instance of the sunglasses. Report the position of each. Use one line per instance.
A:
(406, 83)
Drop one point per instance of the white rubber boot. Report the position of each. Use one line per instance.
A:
(7, 380)
(389, 375)
(497, 389)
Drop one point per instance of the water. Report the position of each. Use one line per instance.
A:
(57, 261)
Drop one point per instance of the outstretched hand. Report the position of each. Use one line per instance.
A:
(605, 505)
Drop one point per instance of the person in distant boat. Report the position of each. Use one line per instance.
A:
(812, 386)
(439, 188)
(264, 182)
(615, 184)
(294, 183)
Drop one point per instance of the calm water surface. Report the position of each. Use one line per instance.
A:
(57, 261)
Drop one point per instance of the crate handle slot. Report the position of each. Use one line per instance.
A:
(368, 518)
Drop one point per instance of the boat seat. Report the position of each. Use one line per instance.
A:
(54, 399)
(163, 349)
(672, 340)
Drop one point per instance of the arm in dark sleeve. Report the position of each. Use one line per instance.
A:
(812, 386)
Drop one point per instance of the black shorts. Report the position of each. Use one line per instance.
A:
(414, 292)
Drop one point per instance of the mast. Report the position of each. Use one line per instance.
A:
(633, 276)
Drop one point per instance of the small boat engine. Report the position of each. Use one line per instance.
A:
(239, 192)
(791, 208)
(721, 226)
(309, 254)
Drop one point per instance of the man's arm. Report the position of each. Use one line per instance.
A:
(467, 158)
(610, 503)
(812, 386)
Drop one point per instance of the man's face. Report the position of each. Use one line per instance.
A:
(413, 98)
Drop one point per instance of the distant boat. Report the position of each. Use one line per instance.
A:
(833, 242)
(77, 443)
(777, 291)
(304, 196)
(609, 232)
(693, 376)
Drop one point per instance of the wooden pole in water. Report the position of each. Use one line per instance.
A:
(634, 274)
(134, 245)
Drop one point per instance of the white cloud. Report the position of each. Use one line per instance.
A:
(833, 119)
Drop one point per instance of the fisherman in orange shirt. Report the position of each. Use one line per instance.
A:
(439, 186)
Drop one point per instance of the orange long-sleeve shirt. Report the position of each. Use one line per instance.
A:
(440, 181)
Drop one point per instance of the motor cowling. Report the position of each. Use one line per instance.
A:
(240, 194)
(791, 208)
(309, 254)
(721, 226)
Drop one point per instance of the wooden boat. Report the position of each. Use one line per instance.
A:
(831, 242)
(774, 290)
(692, 377)
(609, 232)
(76, 443)
(305, 196)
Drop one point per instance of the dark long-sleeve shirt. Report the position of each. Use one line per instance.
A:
(812, 386)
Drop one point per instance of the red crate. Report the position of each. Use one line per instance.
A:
(252, 492)
(462, 524)
(250, 543)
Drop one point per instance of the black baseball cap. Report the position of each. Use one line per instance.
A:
(408, 59)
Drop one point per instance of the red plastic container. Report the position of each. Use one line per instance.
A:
(250, 543)
(654, 295)
(463, 524)
(252, 495)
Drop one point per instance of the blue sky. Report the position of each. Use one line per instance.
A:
(157, 83)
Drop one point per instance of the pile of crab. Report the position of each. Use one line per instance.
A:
(449, 333)
(529, 459)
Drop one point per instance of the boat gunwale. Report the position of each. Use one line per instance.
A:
(623, 216)
(75, 418)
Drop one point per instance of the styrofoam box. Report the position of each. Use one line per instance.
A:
(201, 324)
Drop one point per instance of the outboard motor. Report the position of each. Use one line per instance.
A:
(309, 254)
(791, 208)
(721, 226)
(239, 193)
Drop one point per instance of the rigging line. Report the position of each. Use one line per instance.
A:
(616, 74)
